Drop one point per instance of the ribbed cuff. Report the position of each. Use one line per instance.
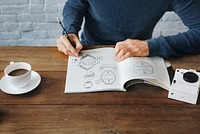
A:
(153, 49)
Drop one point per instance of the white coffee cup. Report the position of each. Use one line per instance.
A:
(18, 73)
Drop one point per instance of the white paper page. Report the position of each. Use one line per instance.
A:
(95, 70)
(151, 69)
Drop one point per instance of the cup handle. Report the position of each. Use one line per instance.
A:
(12, 62)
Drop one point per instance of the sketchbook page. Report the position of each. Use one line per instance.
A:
(94, 70)
(150, 69)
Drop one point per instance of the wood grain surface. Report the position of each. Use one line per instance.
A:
(47, 109)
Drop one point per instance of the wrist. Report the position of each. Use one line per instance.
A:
(146, 51)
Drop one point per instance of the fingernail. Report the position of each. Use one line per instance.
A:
(121, 59)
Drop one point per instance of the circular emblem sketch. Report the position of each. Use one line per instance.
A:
(143, 68)
(108, 77)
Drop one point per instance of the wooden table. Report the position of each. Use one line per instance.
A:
(46, 109)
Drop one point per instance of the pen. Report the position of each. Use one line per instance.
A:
(65, 32)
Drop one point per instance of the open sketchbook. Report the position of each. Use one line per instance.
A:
(98, 70)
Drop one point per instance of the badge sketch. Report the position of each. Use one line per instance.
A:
(106, 66)
(108, 77)
(86, 62)
(88, 84)
(143, 68)
(89, 75)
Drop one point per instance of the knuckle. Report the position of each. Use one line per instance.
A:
(58, 45)
(62, 37)
(57, 41)
(128, 40)
(128, 54)
(123, 51)
(118, 45)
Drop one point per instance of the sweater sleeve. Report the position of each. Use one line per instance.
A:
(182, 43)
(73, 13)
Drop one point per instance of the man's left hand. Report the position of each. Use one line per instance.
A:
(131, 48)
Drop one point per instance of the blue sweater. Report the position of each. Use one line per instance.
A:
(110, 21)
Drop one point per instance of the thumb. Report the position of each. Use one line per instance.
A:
(76, 41)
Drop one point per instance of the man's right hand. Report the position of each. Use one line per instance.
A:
(66, 47)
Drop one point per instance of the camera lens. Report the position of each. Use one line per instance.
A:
(190, 77)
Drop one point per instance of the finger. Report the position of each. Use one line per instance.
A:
(62, 47)
(58, 45)
(69, 46)
(79, 46)
(120, 54)
(117, 48)
(127, 55)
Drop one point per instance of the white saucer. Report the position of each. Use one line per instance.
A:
(7, 88)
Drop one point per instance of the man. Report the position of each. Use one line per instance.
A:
(128, 24)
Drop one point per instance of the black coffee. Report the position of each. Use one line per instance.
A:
(18, 72)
